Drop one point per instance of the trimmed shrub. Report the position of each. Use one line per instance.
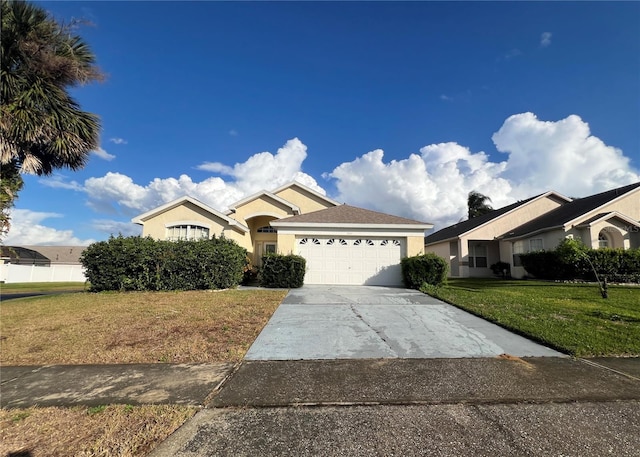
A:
(501, 269)
(573, 260)
(286, 271)
(545, 265)
(424, 269)
(136, 263)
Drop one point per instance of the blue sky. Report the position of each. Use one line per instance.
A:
(401, 107)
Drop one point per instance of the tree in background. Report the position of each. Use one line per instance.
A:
(477, 204)
(42, 127)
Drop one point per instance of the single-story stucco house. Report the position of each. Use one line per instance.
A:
(608, 219)
(342, 244)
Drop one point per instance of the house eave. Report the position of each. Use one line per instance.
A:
(530, 234)
(354, 225)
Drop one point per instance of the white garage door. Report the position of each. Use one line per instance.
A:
(352, 260)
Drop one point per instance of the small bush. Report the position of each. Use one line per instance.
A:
(286, 271)
(136, 263)
(501, 269)
(421, 269)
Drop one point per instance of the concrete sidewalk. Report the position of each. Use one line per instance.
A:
(93, 385)
(360, 407)
(416, 407)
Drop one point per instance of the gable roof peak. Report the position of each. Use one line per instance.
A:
(308, 189)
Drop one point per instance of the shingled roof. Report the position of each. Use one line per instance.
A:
(455, 230)
(346, 214)
(570, 211)
(43, 255)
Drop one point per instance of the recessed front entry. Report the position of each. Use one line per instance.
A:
(264, 248)
(352, 260)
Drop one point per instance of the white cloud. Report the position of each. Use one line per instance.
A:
(560, 155)
(431, 186)
(118, 140)
(58, 182)
(233, 132)
(115, 228)
(103, 154)
(117, 193)
(545, 39)
(27, 229)
(434, 185)
(515, 52)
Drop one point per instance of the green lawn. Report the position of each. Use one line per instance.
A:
(572, 318)
(29, 287)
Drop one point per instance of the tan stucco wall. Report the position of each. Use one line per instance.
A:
(190, 213)
(516, 218)
(286, 244)
(629, 205)
(305, 201)
(415, 245)
(261, 205)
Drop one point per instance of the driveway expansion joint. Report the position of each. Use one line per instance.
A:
(603, 367)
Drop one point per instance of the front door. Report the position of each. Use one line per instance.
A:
(264, 248)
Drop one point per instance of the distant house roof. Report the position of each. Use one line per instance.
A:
(43, 255)
(455, 230)
(571, 212)
(349, 215)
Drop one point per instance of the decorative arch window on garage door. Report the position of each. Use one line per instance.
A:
(310, 240)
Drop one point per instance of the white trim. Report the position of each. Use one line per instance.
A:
(307, 189)
(571, 223)
(142, 218)
(263, 213)
(304, 226)
(350, 231)
(545, 195)
(610, 215)
(264, 193)
(189, 222)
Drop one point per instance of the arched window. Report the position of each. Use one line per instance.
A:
(267, 229)
(603, 240)
(187, 232)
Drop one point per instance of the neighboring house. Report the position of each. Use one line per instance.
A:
(342, 244)
(41, 264)
(608, 219)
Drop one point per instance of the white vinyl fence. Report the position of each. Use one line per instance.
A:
(10, 273)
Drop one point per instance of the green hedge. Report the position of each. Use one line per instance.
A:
(136, 263)
(424, 269)
(573, 260)
(286, 271)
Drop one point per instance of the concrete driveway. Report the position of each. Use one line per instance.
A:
(365, 322)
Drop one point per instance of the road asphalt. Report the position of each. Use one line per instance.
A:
(385, 406)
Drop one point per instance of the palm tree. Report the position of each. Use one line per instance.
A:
(41, 127)
(477, 204)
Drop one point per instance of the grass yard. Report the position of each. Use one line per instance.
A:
(35, 287)
(573, 318)
(136, 327)
(118, 430)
